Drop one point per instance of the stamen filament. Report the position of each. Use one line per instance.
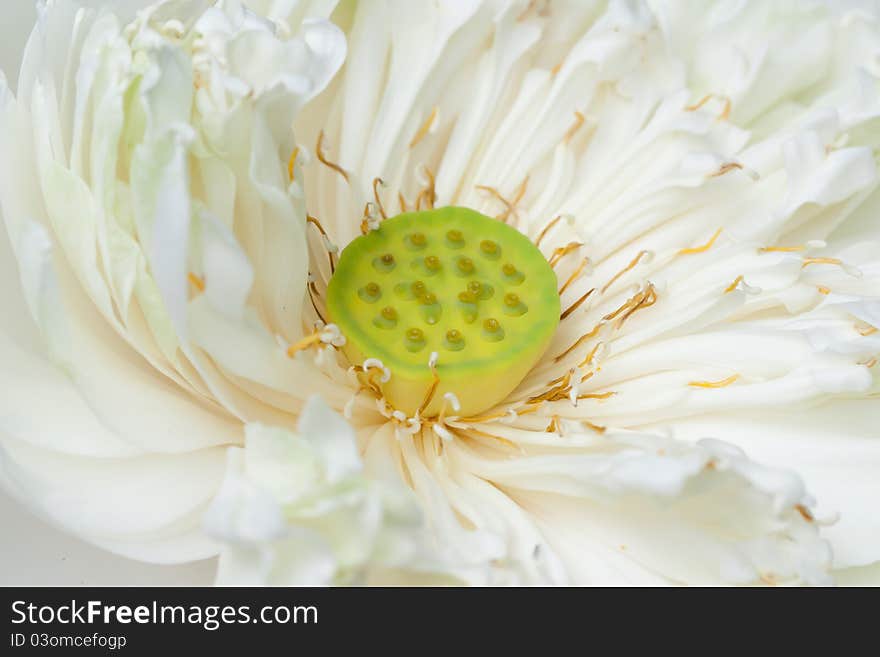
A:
(319, 151)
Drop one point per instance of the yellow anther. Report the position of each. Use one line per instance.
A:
(547, 229)
(574, 275)
(305, 343)
(635, 261)
(727, 167)
(197, 281)
(562, 251)
(732, 286)
(723, 383)
(578, 122)
(701, 249)
(577, 304)
(291, 163)
(425, 128)
(820, 261)
(782, 249)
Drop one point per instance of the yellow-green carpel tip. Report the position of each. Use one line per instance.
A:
(451, 281)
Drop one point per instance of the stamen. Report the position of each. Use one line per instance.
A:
(319, 151)
(635, 261)
(478, 419)
(492, 436)
(727, 167)
(701, 249)
(520, 193)
(723, 383)
(197, 281)
(783, 249)
(369, 221)
(525, 12)
(402, 201)
(733, 286)
(428, 193)
(644, 299)
(597, 395)
(579, 341)
(693, 108)
(823, 290)
(805, 512)
(305, 343)
(547, 228)
(578, 122)
(313, 292)
(568, 311)
(331, 250)
(432, 363)
(577, 272)
(557, 392)
(426, 127)
(291, 163)
(449, 399)
(866, 329)
(593, 353)
(560, 252)
(376, 183)
(373, 367)
(725, 112)
(495, 193)
(820, 261)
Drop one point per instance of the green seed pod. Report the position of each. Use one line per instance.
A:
(488, 319)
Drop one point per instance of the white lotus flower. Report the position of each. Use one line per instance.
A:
(702, 180)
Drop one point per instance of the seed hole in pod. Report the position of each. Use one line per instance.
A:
(454, 239)
(490, 249)
(384, 263)
(492, 330)
(481, 291)
(414, 340)
(429, 265)
(371, 292)
(430, 308)
(454, 340)
(467, 304)
(416, 241)
(464, 266)
(512, 275)
(514, 306)
(386, 319)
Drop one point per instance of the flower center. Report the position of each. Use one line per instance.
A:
(451, 282)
